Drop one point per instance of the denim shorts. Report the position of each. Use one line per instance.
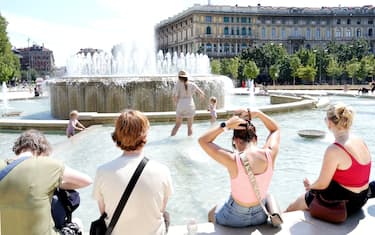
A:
(234, 215)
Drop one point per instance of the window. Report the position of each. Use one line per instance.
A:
(208, 19)
(215, 47)
(370, 32)
(359, 33)
(328, 34)
(358, 21)
(338, 21)
(238, 19)
(232, 31)
(338, 33)
(232, 19)
(273, 33)
(295, 21)
(226, 31)
(308, 33)
(243, 19)
(208, 47)
(233, 48)
(226, 47)
(263, 33)
(317, 34)
(283, 33)
(208, 30)
(348, 21)
(370, 22)
(243, 31)
(243, 46)
(296, 32)
(249, 20)
(249, 31)
(348, 33)
(226, 19)
(238, 31)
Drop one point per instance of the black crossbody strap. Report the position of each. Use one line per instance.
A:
(125, 195)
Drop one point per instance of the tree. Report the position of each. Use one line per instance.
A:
(352, 68)
(233, 65)
(215, 67)
(274, 72)
(334, 70)
(307, 73)
(295, 63)
(251, 70)
(9, 63)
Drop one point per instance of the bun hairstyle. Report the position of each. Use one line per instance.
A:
(249, 132)
(341, 115)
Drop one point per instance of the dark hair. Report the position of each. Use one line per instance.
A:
(246, 134)
(34, 141)
(184, 80)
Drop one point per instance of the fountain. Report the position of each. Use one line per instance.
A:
(105, 83)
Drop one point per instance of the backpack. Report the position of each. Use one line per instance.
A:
(64, 202)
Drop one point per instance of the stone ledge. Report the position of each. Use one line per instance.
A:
(296, 223)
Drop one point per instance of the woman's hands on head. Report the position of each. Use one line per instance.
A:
(234, 122)
(244, 113)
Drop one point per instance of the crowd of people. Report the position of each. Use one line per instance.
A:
(27, 190)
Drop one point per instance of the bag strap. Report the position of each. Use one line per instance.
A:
(253, 182)
(125, 195)
(10, 166)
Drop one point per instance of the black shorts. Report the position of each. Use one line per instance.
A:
(336, 192)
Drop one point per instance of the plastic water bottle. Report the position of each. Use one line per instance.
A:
(192, 227)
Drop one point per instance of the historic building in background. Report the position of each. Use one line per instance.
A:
(224, 31)
(38, 58)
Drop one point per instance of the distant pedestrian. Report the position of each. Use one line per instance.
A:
(212, 109)
(74, 124)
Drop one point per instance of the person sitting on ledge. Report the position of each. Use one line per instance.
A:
(243, 209)
(27, 190)
(346, 165)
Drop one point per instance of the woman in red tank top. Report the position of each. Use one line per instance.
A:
(346, 165)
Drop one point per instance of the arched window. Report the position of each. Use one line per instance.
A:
(226, 47)
(338, 33)
(249, 31)
(308, 33)
(348, 33)
(283, 33)
(273, 33)
(370, 32)
(243, 31)
(359, 33)
(317, 34)
(226, 31)
(208, 30)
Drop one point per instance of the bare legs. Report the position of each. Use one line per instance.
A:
(178, 125)
(190, 126)
(299, 204)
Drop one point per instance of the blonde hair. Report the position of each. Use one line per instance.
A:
(131, 129)
(341, 115)
(73, 113)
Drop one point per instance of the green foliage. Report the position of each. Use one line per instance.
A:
(9, 63)
(334, 69)
(215, 67)
(295, 63)
(307, 73)
(233, 65)
(274, 72)
(352, 68)
(251, 70)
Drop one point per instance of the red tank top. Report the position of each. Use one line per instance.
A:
(356, 175)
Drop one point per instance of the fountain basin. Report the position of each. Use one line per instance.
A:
(111, 94)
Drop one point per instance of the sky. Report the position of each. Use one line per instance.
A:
(66, 26)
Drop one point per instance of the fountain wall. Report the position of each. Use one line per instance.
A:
(111, 94)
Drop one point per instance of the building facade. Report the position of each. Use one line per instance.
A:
(38, 58)
(224, 31)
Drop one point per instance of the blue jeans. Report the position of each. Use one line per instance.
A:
(233, 215)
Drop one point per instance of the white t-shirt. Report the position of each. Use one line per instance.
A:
(142, 214)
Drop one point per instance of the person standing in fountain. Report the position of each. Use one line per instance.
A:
(183, 98)
(346, 165)
(243, 209)
(144, 213)
(212, 109)
(27, 190)
(73, 124)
